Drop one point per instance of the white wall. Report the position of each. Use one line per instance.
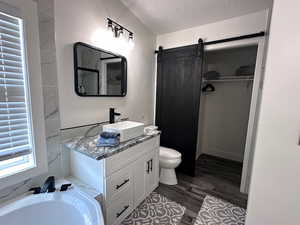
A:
(85, 21)
(274, 190)
(250, 23)
(224, 122)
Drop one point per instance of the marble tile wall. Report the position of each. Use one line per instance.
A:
(50, 85)
(51, 106)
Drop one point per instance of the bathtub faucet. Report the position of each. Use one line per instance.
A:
(49, 185)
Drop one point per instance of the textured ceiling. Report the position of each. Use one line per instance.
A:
(164, 16)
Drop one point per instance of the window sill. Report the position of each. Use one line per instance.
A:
(23, 175)
(16, 165)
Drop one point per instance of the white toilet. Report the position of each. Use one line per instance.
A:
(169, 159)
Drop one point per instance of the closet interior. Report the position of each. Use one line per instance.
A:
(227, 83)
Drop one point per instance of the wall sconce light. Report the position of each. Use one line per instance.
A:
(119, 30)
(131, 36)
(130, 40)
(110, 26)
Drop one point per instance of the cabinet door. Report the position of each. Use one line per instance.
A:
(152, 172)
(140, 167)
(145, 176)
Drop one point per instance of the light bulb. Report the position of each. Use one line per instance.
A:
(109, 26)
(130, 41)
(122, 38)
(121, 32)
(110, 29)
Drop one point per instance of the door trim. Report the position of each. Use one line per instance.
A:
(253, 118)
(255, 102)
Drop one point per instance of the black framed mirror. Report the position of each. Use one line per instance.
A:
(99, 73)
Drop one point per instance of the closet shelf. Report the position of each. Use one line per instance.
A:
(230, 79)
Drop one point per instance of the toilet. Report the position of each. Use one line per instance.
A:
(169, 159)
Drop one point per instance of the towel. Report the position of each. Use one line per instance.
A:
(109, 135)
(211, 75)
(108, 139)
(245, 70)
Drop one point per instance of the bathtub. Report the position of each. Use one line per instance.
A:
(71, 207)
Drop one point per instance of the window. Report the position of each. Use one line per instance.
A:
(16, 144)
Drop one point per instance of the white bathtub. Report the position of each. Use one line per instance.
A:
(71, 207)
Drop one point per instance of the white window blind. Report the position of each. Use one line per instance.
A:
(15, 129)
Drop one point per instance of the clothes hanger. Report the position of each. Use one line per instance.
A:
(208, 88)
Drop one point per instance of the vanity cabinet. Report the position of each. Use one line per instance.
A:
(125, 179)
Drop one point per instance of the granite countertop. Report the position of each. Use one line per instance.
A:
(87, 146)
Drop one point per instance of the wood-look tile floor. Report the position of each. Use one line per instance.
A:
(214, 176)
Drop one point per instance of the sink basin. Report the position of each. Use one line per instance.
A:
(127, 129)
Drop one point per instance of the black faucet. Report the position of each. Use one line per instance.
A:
(112, 115)
(49, 185)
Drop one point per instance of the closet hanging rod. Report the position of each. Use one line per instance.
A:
(227, 80)
(259, 34)
(230, 78)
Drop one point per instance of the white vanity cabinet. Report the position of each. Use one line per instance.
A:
(125, 179)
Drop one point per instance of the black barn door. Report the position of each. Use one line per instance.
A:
(179, 72)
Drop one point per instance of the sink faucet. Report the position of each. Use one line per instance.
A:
(112, 115)
(49, 185)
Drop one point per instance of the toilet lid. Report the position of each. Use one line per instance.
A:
(169, 153)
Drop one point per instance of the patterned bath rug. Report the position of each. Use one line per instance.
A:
(215, 211)
(156, 210)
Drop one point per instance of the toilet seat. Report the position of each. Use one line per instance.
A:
(168, 153)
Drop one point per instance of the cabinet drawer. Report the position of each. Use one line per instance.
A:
(119, 209)
(118, 161)
(118, 182)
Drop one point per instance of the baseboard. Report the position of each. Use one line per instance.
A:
(226, 155)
